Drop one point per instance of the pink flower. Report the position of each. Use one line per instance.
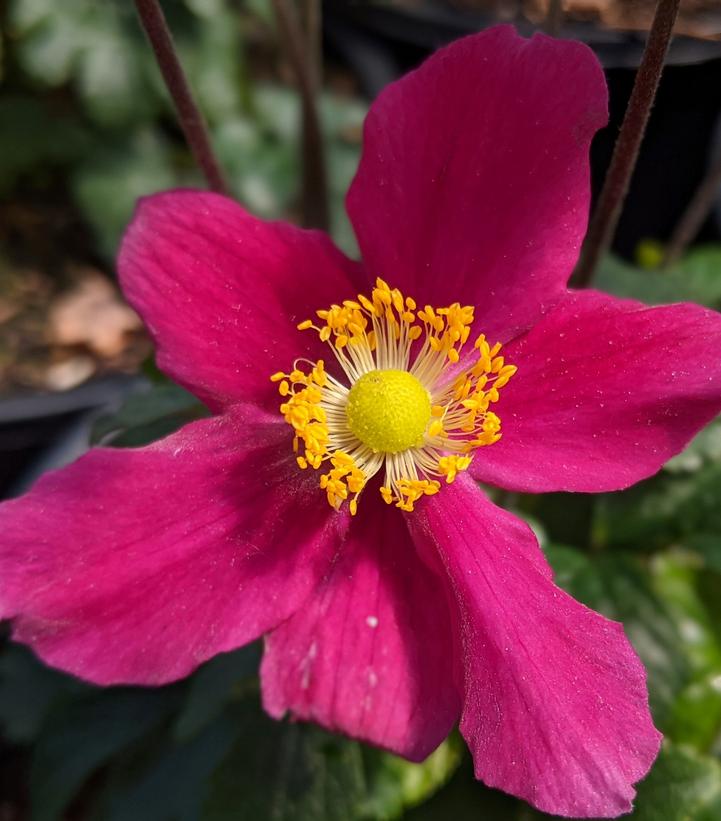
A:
(392, 625)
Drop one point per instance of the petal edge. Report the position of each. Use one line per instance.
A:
(474, 180)
(556, 708)
(134, 566)
(221, 292)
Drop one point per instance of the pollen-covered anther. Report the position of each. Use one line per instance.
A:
(342, 479)
(397, 408)
(304, 412)
(451, 466)
(409, 491)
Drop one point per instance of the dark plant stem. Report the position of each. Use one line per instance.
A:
(625, 153)
(554, 18)
(313, 33)
(189, 115)
(299, 48)
(695, 214)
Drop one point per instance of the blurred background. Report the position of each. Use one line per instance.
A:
(86, 127)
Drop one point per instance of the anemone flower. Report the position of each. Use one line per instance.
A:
(329, 504)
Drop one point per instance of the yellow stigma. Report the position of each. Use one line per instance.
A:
(389, 410)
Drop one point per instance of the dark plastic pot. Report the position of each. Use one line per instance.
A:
(379, 43)
(39, 432)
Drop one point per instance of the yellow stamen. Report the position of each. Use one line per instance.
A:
(398, 409)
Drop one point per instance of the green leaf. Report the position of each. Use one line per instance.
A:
(699, 268)
(214, 685)
(695, 717)
(682, 786)
(261, 163)
(260, 153)
(111, 76)
(342, 165)
(28, 692)
(670, 613)
(703, 449)
(25, 15)
(619, 586)
(109, 183)
(680, 579)
(561, 518)
(49, 39)
(708, 546)
(212, 54)
(277, 109)
(297, 772)
(466, 799)
(84, 736)
(662, 510)
(694, 279)
(147, 416)
(97, 47)
(691, 595)
(394, 784)
(33, 137)
(169, 784)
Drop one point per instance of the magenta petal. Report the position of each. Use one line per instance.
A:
(372, 653)
(474, 179)
(221, 292)
(607, 390)
(137, 565)
(556, 709)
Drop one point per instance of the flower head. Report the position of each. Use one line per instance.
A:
(393, 625)
(410, 417)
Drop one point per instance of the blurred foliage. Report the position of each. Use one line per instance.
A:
(83, 96)
(82, 99)
(198, 749)
(147, 416)
(695, 278)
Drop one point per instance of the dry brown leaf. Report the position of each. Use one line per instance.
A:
(92, 314)
(62, 376)
(8, 310)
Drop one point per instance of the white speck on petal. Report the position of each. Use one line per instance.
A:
(307, 664)
(372, 622)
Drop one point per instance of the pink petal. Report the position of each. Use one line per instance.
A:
(474, 180)
(135, 566)
(556, 709)
(221, 292)
(606, 392)
(372, 653)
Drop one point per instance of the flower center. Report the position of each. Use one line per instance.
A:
(399, 404)
(389, 410)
